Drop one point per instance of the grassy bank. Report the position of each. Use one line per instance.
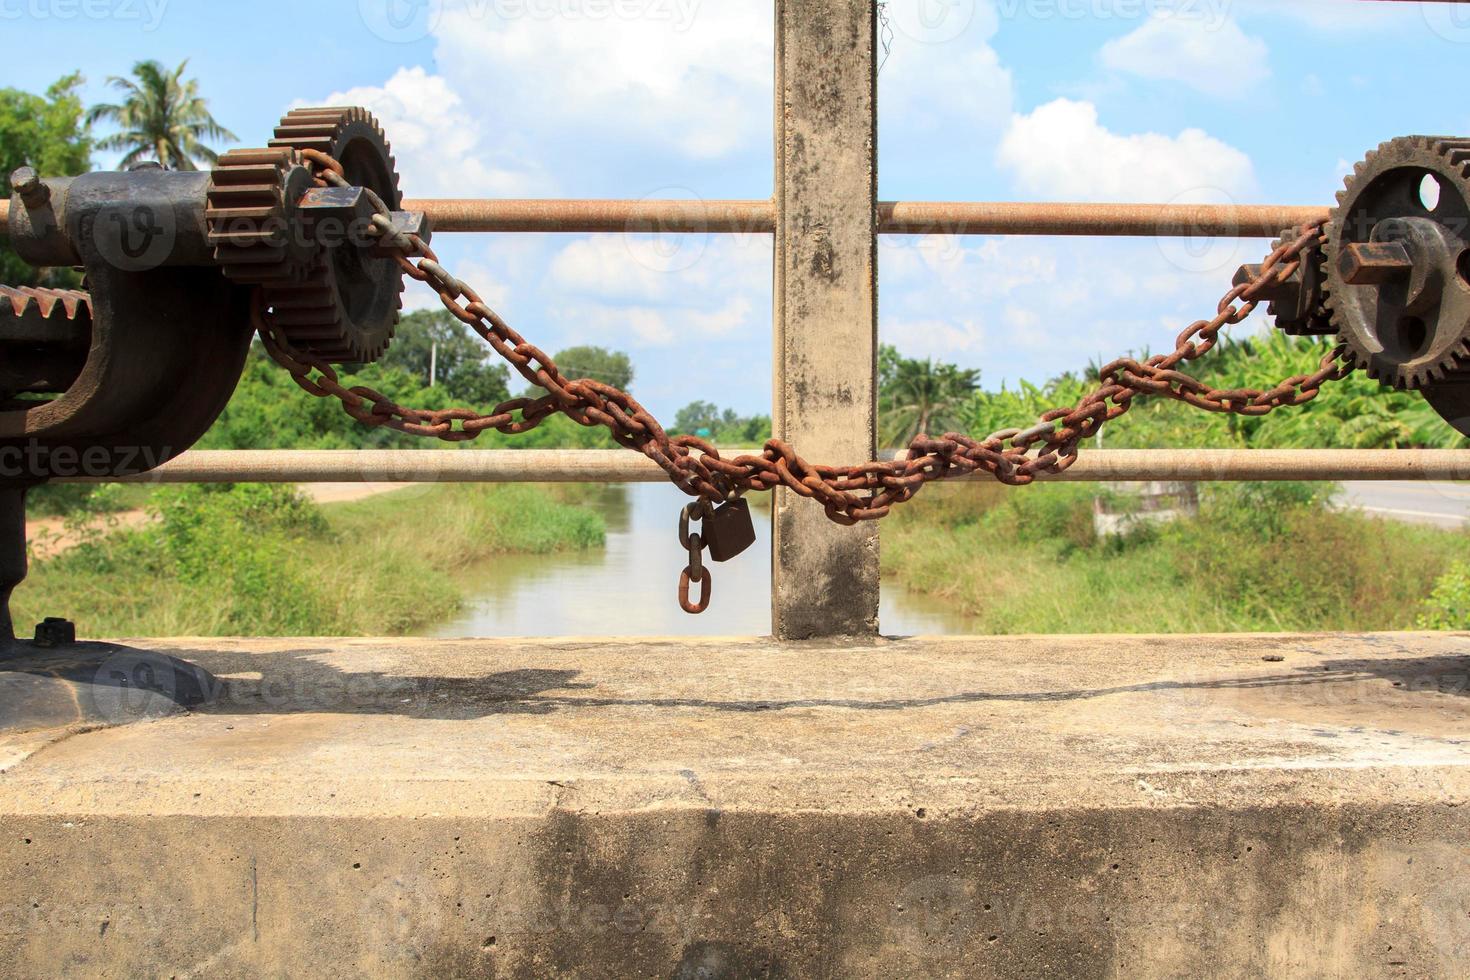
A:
(1259, 557)
(261, 560)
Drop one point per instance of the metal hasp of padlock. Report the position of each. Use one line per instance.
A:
(1392, 279)
(119, 379)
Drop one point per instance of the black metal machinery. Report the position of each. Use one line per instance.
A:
(120, 378)
(1392, 277)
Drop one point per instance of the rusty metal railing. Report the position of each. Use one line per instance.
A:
(620, 466)
(585, 216)
(823, 208)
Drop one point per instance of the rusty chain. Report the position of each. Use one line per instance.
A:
(849, 494)
(694, 573)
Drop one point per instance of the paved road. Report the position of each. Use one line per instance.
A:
(1442, 503)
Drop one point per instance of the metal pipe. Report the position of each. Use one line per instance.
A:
(667, 216)
(894, 217)
(621, 466)
(1047, 218)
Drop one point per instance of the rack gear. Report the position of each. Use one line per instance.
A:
(1397, 264)
(346, 305)
(44, 335)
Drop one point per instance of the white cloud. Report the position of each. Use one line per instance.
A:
(1035, 307)
(609, 266)
(1218, 59)
(643, 267)
(926, 87)
(438, 142)
(705, 288)
(1061, 151)
(697, 82)
(665, 325)
(942, 339)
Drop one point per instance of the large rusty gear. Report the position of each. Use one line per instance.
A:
(345, 306)
(252, 218)
(1398, 263)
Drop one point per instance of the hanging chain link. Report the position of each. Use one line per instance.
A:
(694, 573)
(849, 494)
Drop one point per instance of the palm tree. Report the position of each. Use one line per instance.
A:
(918, 397)
(161, 117)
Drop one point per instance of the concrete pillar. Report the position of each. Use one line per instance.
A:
(825, 577)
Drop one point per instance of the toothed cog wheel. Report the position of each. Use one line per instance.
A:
(331, 293)
(1398, 266)
(252, 216)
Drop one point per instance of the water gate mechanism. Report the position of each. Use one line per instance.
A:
(303, 244)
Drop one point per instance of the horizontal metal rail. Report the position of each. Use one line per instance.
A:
(1046, 218)
(619, 466)
(894, 217)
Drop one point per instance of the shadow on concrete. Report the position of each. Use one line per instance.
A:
(98, 683)
(95, 684)
(109, 684)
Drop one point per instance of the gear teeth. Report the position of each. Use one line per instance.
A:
(310, 312)
(1315, 321)
(245, 213)
(318, 128)
(1449, 158)
(47, 304)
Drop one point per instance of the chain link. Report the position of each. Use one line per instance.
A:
(849, 494)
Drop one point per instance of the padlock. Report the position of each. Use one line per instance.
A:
(729, 530)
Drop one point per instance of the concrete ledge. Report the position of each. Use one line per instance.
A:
(1095, 806)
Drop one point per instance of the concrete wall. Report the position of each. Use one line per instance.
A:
(1285, 891)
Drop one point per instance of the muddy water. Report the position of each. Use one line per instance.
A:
(627, 588)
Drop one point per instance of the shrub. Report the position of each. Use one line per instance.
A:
(1448, 604)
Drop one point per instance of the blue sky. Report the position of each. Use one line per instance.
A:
(1142, 100)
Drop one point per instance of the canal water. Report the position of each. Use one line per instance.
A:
(628, 587)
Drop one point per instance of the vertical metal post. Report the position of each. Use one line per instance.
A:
(12, 554)
(825, 577)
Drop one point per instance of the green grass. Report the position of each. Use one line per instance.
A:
(80, 500)
(263, 560)
(1260, 557)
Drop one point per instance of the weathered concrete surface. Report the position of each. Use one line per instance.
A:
(824, 578)
(1089, 806)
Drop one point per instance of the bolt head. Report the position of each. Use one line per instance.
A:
(24, 180)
